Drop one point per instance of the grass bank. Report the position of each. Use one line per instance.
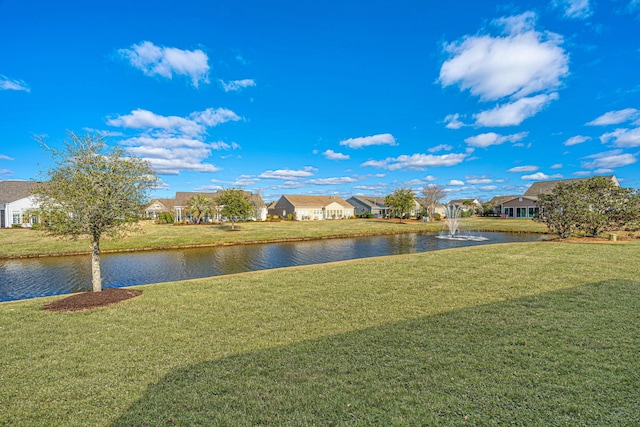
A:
(539, 333)
(26, 242)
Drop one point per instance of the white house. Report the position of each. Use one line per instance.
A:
(16, 202)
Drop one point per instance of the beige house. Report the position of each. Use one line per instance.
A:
(179, 206)
(311, 207)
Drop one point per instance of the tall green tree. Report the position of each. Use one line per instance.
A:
(235, 204)
(93, 190)
(400, 202)
(200, 206)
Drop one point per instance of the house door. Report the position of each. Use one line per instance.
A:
(508, 212)
(2, 219)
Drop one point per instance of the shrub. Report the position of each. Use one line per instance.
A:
(437, 217)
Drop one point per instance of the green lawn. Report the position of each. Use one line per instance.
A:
(17, 242)
(543, 333)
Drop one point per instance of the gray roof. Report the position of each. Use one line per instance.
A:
(546, 187)
(374, 202)
(10, 191)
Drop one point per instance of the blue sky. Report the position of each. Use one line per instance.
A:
(332, 97)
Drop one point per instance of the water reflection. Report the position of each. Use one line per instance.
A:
(28, 278)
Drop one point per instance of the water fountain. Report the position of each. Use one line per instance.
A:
(451, 229)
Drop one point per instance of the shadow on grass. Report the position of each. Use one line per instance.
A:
(563, 358)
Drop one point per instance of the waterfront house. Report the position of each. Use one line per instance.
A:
(17, 203)
(312, 207)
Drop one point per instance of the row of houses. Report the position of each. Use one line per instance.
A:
(16, 203)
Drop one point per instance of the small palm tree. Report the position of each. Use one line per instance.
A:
(200, 206)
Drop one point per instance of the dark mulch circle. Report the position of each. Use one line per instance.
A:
(89, 300)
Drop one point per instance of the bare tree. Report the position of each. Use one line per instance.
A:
(431, 196)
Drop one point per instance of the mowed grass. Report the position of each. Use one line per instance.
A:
(21, 242)
(543, 333)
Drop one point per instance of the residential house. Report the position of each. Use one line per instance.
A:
(467, 205)
(526, 205)
(495, 205)
(363, 205)
(312, 207)
(179, 206)
(519, 207)
(546, 187)
(16, 202)
(158, 206)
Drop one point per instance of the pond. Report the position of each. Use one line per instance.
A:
(37, 277)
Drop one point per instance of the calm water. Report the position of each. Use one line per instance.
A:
(29, 278)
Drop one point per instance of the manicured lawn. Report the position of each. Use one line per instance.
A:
(539, 333)
(16, 242)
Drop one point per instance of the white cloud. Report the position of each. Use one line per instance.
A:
(575, 140)
(515, 113)
(574, 9)
(194, 125)
(485, 140)
(167, 61)
(220, 145)
(540, 176)
(290, 185)
(456, 182)
(478, 181)
(615, 117)
(520, 62)
(169, 155)
(172, 143)
(5, 157)
(623, 137)
(441, 147)
(521, 169)
(416, 161)
(11, 84)
(235, 85)
(453, 121)
(214, 117)
(332, 181)
(489, 187)
(609, 160)
(332, 155)
(423, 181)
(381, 139)
(287, 174)
(556, 166)
(144, 119)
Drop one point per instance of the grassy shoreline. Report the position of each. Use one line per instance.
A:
(21, 243)
(522, 333)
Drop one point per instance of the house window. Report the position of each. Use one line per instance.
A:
(16, 218)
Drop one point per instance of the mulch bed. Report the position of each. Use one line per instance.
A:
(89, 300)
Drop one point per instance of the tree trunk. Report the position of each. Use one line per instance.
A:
(96, 279)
